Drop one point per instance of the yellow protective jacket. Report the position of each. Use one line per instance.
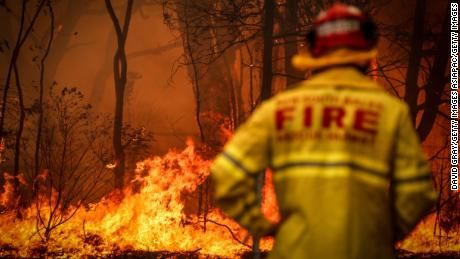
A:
(334, 144)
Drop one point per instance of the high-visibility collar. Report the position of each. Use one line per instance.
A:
(341, 76)
(304, 61)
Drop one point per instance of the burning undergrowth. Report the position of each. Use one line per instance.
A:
(424, 240)
(147, 216)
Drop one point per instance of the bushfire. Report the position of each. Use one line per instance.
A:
(150, 217)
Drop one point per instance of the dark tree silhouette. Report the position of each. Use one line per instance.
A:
(120, 70)
(268, 22)
(23, 35)
(42, 91)
(290, 26)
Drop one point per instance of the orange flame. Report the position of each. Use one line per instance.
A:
(424, 240)
(269, 202)
(150, 219)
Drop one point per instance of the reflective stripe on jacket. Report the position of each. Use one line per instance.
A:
(334, 144)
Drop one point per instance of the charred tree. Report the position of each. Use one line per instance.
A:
(99, 85)
(267, 76)
(21, 38)
(120, 69)
(23, 35)
(20, 129)
(13, 61)
(415, 56)
(213, 35)
(267, 72)
(41, 93)
(290, 45)
(436, 81)
(195, 73)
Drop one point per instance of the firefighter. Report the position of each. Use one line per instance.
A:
(349, 172)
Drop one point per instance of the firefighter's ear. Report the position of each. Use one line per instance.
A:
(311, 39)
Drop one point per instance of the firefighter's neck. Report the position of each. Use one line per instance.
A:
(362, 68)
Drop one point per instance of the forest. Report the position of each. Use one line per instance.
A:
(112, 111)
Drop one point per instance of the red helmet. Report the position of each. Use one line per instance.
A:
(341, 26)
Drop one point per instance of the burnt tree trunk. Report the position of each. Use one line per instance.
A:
(22, 36)
(267, 76)
(195, 76)
(41, 93)
(20, 129)
(415, 56)
(13, 60)
(120, 69)
(99, 86)
(290, 43)
(436, 81)
(267, 73)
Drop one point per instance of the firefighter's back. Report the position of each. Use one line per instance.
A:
(332, 145)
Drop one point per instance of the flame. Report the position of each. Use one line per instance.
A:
(425, 240)
(150, 215)
(375, 69)
(148, 218)
(7, 196)
(2, 149)
(111, 165)
(269, 202)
